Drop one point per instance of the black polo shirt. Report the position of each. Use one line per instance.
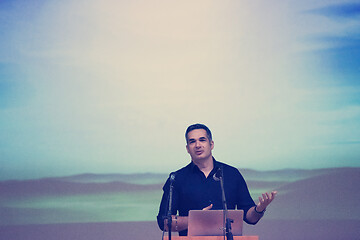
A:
(193, 191)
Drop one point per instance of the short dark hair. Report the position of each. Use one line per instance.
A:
(198, 126)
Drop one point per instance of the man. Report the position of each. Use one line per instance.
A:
(194, 187)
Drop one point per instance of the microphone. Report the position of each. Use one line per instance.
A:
(172, 180)
(172, 177)
(169, 218)
(218, 174)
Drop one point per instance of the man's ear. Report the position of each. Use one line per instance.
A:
(187, 148)
(212, 144)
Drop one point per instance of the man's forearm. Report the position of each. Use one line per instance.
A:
(252, 216)
(179, 223)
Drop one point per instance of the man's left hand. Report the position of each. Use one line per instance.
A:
(265, 200)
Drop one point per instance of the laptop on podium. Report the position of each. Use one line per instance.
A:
(211, 222)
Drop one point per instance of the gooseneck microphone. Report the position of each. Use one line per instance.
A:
(218, 174)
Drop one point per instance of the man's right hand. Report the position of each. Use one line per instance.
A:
(208, 207)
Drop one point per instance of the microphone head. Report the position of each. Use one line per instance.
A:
(172, 177)
(218, 174)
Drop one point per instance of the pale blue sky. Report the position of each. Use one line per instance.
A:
(110, 86)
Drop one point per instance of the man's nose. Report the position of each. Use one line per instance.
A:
(197, 144)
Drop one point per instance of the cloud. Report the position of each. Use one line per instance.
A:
(335, 58)
(344, 11)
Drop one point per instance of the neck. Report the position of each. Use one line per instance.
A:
(205, 165)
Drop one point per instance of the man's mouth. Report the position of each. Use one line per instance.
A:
(199, 152)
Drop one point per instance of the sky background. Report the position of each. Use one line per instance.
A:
(110, 86)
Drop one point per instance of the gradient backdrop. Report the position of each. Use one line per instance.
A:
(110, 86)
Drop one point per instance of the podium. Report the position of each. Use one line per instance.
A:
(210, 238)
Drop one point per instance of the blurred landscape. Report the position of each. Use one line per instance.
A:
(321, 201)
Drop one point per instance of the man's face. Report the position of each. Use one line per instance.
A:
(199, 145)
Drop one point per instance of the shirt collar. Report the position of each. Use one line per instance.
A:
(193, 165)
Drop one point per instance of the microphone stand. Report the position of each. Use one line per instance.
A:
(168, 217)
(228, 221)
